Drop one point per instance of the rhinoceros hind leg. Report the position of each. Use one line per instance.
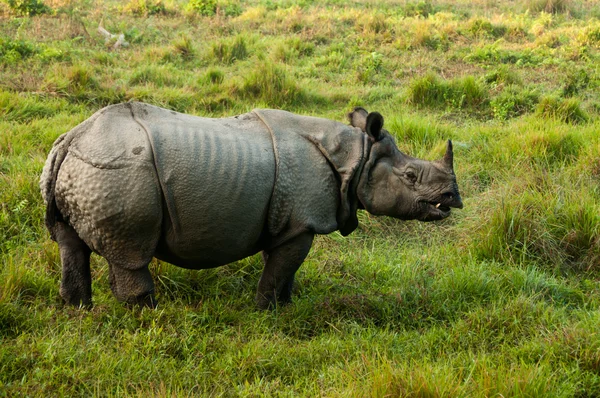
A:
(132, 286)
(281, 264)
(76, 281)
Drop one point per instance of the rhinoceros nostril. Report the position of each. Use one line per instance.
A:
(448, 195)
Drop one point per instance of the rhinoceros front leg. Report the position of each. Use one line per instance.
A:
(76, 281)
(281, 264)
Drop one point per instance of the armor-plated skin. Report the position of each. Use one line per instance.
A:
(136, 181)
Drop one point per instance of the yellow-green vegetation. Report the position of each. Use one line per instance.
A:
(501, 299)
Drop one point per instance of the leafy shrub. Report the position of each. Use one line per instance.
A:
(28, 7)
(459, 93)
(419, 9)
(566, 110)
(12, 51)
(513, 102)
(491, 54)
(202, 7)
(480, 27)
(371, 65)
(145, 7)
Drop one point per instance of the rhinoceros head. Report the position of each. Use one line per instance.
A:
(397, 185)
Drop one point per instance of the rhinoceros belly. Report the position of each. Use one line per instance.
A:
(217, 179)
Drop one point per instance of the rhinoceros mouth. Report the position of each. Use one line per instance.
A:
(434, 211)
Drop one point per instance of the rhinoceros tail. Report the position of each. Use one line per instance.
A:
(48, 182)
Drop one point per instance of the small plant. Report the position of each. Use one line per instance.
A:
(480, 27)
(206, 8)
(419, 9)
(28, 7)
(145, 7)
(513, 102)
(566, 110)
(372, 65)
(12, 51)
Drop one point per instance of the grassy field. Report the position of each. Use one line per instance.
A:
(501, 299)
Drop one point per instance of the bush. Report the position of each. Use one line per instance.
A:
(565, 110)
(28, 7)
(513, 102)
(12, 51)
(145, 7)
(203, 7)
(464, 93)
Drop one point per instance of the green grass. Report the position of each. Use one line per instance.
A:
(501, 299)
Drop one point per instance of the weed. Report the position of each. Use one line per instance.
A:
(566, 110)
(12, 51)
(145, 7)
(422, 8)
(479, 27)
(28, 7)
(202, 7)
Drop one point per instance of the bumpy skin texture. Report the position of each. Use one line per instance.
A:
(136, 181)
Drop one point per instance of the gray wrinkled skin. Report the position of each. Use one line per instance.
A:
(135, 181)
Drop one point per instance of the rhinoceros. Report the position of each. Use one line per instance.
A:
(135, 181)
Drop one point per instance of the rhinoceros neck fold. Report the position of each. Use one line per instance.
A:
(318, 161)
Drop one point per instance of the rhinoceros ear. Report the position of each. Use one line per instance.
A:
(358, 118)
(374, 125)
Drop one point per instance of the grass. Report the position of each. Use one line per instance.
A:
(501, 299)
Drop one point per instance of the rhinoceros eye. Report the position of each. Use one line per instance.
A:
(411, 176)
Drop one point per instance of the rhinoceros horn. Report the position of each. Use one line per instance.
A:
(448, 159)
